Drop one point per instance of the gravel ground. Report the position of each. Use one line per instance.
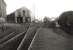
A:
(47, 39)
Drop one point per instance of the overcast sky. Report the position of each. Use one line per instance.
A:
(41, 8)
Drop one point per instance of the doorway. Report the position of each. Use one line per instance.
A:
(19, 19)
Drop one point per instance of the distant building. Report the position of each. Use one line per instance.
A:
(19, 16)
(2, 8)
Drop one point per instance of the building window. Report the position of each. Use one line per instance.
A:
(23, 12)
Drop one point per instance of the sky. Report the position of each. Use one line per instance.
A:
(41, 8)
